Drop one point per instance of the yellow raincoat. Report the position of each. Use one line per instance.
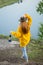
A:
(23, 38)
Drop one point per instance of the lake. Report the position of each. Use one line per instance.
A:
(9, 16)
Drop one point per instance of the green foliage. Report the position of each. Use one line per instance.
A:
(40, 7)
(7, 37)
(14, 38)
(40, 33)
(3, 36)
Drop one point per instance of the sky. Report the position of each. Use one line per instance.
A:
(9, 16)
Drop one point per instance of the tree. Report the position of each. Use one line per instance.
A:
(40, 33)
(40, 10)
(40, 7)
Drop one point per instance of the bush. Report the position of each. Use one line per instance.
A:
(40, 33)
(3, 36)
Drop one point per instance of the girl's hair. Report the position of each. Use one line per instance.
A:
(25, 28)
(22, 19)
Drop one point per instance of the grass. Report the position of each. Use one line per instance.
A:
(7, 37)
(36, 51)
(7, 2)
(3, 36)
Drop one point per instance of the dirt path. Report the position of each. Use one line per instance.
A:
(10, 55)
(18, 61)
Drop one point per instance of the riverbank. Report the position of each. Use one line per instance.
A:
(10, 54)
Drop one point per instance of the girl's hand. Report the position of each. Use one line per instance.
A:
(25, 15)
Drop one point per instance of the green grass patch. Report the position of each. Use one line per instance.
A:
(7, 2)
(7, 37)
(14, 38)
(3, 36)
(35, 51)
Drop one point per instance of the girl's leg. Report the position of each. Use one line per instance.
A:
(25, 53)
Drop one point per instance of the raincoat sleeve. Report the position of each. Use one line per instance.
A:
(29, 19)
(17, 34)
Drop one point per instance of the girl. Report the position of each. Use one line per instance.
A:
(23, 34)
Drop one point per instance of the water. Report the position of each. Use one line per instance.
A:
(9, 17)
